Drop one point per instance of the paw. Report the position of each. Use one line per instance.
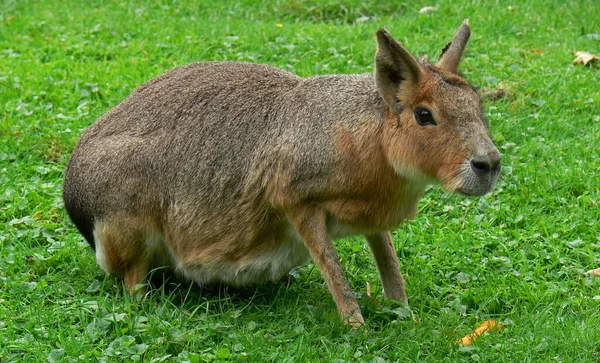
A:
(354, 319)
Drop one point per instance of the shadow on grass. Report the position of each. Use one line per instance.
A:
(304, 296)
(180, 291)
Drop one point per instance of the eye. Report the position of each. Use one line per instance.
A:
(424, 117)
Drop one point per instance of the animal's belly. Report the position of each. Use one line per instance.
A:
(269, 265)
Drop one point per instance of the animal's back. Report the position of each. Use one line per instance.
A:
(185, 126)
(175, 155)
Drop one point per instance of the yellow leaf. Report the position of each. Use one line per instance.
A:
(488, 325)
(595, 272)
(584, 57)
(369, 294)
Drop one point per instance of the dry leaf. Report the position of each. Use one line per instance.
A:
(595, 272)
(488, 325)
(369, 294)
(584, 58)
(538, 51)
(493, 95)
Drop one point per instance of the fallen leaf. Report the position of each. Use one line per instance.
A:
(595, 272)
(538, 51)
(497, 90)
(427, 9)
(488, 325)
(369, 294)
(493, 95)
(584, 58)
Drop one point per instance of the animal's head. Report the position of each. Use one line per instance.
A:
(435, 128)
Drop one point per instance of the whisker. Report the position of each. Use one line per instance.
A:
(456, 172)
(459, 154)
(450, 178)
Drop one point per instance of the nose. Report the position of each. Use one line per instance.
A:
(485, 164)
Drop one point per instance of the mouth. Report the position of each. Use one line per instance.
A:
(472, 182)
(478, 191)
(475, 184)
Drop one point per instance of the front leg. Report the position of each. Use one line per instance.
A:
(309, 222)
(387, 262)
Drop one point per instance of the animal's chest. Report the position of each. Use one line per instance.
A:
(367, 215)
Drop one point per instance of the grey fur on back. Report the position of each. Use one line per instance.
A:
(222, 130)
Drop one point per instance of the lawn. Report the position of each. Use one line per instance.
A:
(517, 256)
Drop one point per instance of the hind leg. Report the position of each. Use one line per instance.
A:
(136, 275)
(122, 250)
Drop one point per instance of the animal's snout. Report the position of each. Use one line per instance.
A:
(485, 164)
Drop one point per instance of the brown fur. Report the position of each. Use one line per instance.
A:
(235, 172)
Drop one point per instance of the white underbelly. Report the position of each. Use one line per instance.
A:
(271, 265)
(268, 266)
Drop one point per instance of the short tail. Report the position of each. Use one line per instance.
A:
(82, 220)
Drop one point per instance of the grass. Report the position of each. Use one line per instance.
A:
(517, 255)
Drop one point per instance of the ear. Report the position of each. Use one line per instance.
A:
(453, 51)
(395, 67)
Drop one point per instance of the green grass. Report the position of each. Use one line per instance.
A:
(517, 255)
